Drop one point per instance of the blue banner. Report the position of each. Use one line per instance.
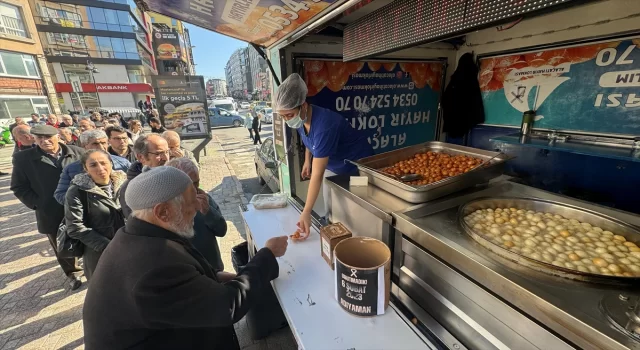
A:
(396, 102)
(594, 87)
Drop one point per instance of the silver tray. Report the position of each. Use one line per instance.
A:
(421, 194)
(628, 231)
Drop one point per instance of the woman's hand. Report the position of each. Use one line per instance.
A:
(304, 225)
(203, 201)
(306, 170)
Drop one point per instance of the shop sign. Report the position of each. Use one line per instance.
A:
(167, 44)
(103, 87)
(262, 22)
(395, 103)
(182, 104)
(593, 87)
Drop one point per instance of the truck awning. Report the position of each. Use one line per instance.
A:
(261, 22)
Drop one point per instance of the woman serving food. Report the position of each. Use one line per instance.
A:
(327, 136)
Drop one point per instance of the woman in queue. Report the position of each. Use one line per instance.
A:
(92, 211)
(135, 129)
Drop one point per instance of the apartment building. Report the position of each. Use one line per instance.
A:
(172, 32)
(25, 82)
(98, 51)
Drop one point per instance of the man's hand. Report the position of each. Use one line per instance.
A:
(277, 245)
(306, 170)
(176, 152)
(225, 276)
(203, 201)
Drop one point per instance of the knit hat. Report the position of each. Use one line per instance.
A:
(155, 186)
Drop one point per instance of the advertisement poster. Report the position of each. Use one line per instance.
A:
(166, 44)
(395, 102)
(182, 104)
(594, 87)
(262, 22)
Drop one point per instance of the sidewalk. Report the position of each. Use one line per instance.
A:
(37, 311)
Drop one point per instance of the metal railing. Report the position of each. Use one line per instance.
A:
(12, 26)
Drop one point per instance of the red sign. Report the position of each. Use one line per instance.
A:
(106, 87)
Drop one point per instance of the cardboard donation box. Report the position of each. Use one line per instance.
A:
(331, 235)
(362, 275)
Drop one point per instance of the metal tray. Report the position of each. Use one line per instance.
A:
(421, 194)
(630, 232)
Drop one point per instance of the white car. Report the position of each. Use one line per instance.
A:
(267, 115)
(244, 105)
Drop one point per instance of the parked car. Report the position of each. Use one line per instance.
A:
(244, 105)
(224, 103)
(266, 165)
(221, 117)
(267, 115)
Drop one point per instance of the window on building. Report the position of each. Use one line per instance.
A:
(19, 65)
(84, 100)
(11, 107)
(76, 70)
(11, 21)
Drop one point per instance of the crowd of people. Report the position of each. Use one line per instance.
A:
(144, 230)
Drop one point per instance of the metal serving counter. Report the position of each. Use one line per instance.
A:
(489, 302)
(467, 296)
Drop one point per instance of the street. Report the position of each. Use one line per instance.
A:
(38, 311)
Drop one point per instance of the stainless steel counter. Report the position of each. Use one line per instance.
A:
(491, 303)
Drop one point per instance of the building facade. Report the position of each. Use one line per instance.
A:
(257, 73)
(98, 52)
(238, 75)
(25, 81)
(216, 87)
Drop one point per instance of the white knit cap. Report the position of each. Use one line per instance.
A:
(158, 185)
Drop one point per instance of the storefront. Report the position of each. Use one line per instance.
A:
(105, 95)
(510, 245)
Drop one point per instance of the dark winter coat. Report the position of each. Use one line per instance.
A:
(206, 228)
(256, 125)
(34, 179)
(96, 224)
(131, 156)
(462, 105)
(153, 290)
(75, 168)
(134, 170)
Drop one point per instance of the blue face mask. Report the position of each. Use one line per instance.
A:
(296, 122)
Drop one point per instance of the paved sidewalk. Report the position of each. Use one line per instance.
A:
(37, 311)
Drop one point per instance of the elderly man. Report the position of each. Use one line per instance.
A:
(22, 134)
(67, 122)
(17, 122)
(91, 139)
(119, 143)
(84, 124)
(153, 290)
(209, 222)
(150, 150)
(53, 121)
(175, 149)
(34, 179)
(66, 136)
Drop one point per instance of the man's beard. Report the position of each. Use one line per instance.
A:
(182, 227)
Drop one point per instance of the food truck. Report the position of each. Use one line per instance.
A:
(522, 231)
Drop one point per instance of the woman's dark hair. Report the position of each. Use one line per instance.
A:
(87, 154)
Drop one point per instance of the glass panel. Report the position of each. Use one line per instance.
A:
(121, 55)
(18, 107)
(104, 44)
(39, 101)
(133, 56)
(13, 64)
(98, 17)
(88, 100)
(130, 45)
(117, 44)
(111, 16)
(124, 18)
(11, 20)
(31, 65)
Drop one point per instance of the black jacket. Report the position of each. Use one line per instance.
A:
(256, 125)
(34, 179)
(153, 290)
(134, 170)
(131, 156)
(96, 224)
(206, 228)
(462, 105)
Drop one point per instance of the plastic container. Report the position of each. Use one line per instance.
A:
(269, 201)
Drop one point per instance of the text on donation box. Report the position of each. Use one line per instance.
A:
(361, 292)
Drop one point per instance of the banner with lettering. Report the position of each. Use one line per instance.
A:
(396, 102)
(262, 22)
(594, 87)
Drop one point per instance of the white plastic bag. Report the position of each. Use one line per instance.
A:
(269, 201)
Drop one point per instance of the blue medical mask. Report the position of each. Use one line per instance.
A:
(296, 122)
